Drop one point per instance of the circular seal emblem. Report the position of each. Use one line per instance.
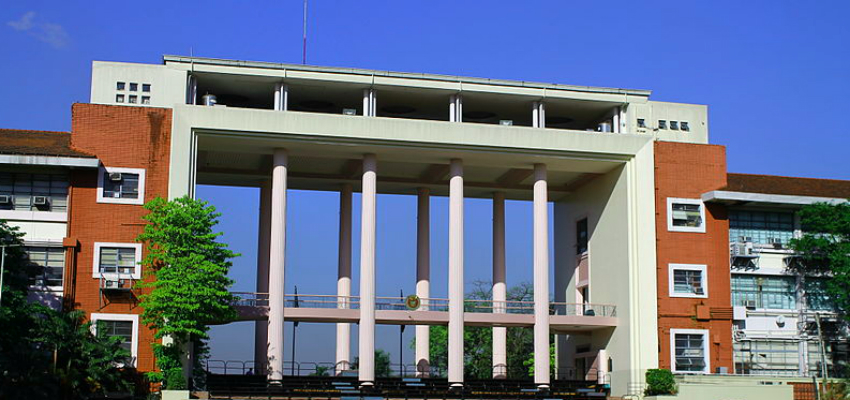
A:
(412, 302)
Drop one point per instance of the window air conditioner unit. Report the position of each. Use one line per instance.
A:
(746, 239)
(112, 284)
(506, 122)
(5, 199)
(40, 201)
(742, 249)
(776, 242)
(115, 176)
(751, 304)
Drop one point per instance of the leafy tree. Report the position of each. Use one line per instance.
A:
(659, 382)
(188, 287)
(824, 249)
(382, 364)
(478, 341)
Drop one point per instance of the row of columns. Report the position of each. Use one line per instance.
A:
(273, 206)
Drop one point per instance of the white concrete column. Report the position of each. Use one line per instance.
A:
(281, 97)
(541, 277)
(367, 271)
(500, 334)
(456, 272)
(277, 257)
(343, 283)
(616, 120)
(538, 115)
(423, 279)
(602, 366)
(370, 102)
(456, 108)
(261, 332)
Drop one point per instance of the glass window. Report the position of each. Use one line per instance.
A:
(134, 87)
(146, 87)
(581, 236)
(687, 215)
(641, 123)
(120, 85)
(121, 329)
(52, 260)
(764, 291)
(687, 281)
(662, 124)
(816, 296)
(146, 99)
(690, 352)
(766, 357)
(684, 126)
(132, 99)
(761, 227)
(120, 260)
(674, 125)
(120, 185)
(119, 98)
(22, 188)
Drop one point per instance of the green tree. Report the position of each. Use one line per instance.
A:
(824, 249)
(382, 364)
(187, 287)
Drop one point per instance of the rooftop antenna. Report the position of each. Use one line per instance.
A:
(192, 58)
(304, 44)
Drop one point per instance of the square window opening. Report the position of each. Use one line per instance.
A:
(662, 124)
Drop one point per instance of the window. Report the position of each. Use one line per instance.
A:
(685, 215)
(684, 126)
(52, 260)
(119, 260)
(641, 123)
(124, 326)
(817, 297)
(119, 98)
(674, 125)
(581, 236)
(132, 99)
(22, 189)
(689, 350)
(146, 87)
(762, 357)
(121, 185)
(688, 280)
(764, 291)
(134, 87)
(662, 124)
(120, 85)
(761, 227)
(146, 99)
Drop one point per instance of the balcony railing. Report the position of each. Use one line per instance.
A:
(426, 304)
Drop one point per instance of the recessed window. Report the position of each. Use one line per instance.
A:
(123, 326)
(662, 124)
(685, 215)
(688, 280)
(121, 185)
(117, 260)
(119, 98)
(132, 99)
(146, 99)
(641, 123)
(581, 236)
(146, 87)
(134, 87)
(51, 260)
(684, 126)
(120, 85)
(33, 192)
(689, 350)
(674, 125)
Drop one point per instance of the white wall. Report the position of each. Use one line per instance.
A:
(168, 86)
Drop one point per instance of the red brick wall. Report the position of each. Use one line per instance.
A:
(686, 170)
(120, 136)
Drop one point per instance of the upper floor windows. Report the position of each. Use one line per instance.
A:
(123, 326)
(764, 291)
(117, 260)
(689, 350)
(761, 227)
(685, 215)
(581, 236)
(33, 192)
(132, 98)
(52, 260)
(688, 280)
(121, 185)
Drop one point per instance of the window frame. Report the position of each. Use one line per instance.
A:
(692, 229)
(134, 318)
(705, 346)
(137, 269)
(47, 247)
(121, 200)
(702, 268)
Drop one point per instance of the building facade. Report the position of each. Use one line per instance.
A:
(661, 257)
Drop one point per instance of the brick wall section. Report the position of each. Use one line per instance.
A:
(120, 136)
(686, 170)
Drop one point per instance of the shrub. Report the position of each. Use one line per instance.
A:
(659, 382)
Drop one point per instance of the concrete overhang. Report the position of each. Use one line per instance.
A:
(778, 200)
(52, 161)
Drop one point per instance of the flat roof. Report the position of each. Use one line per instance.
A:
(423, 76)
(784, 185)
(38, 143)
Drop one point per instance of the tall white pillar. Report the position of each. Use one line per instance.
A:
(367, 271)
(456, 272)
(261, 328)
(277, 257)
(500, 334)
(541, 277)
(602, 367)
(423, 278)
(370, 102)
(343, 283)
(538, 114)
(616, 120)
(281, 97)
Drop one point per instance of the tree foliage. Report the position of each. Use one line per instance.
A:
(824, 248)
(187, 287)
(44, 353)
(382, 364)
(660, 382)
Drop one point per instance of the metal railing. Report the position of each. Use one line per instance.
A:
(426, 304)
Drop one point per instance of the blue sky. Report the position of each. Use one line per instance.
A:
(775, 75)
